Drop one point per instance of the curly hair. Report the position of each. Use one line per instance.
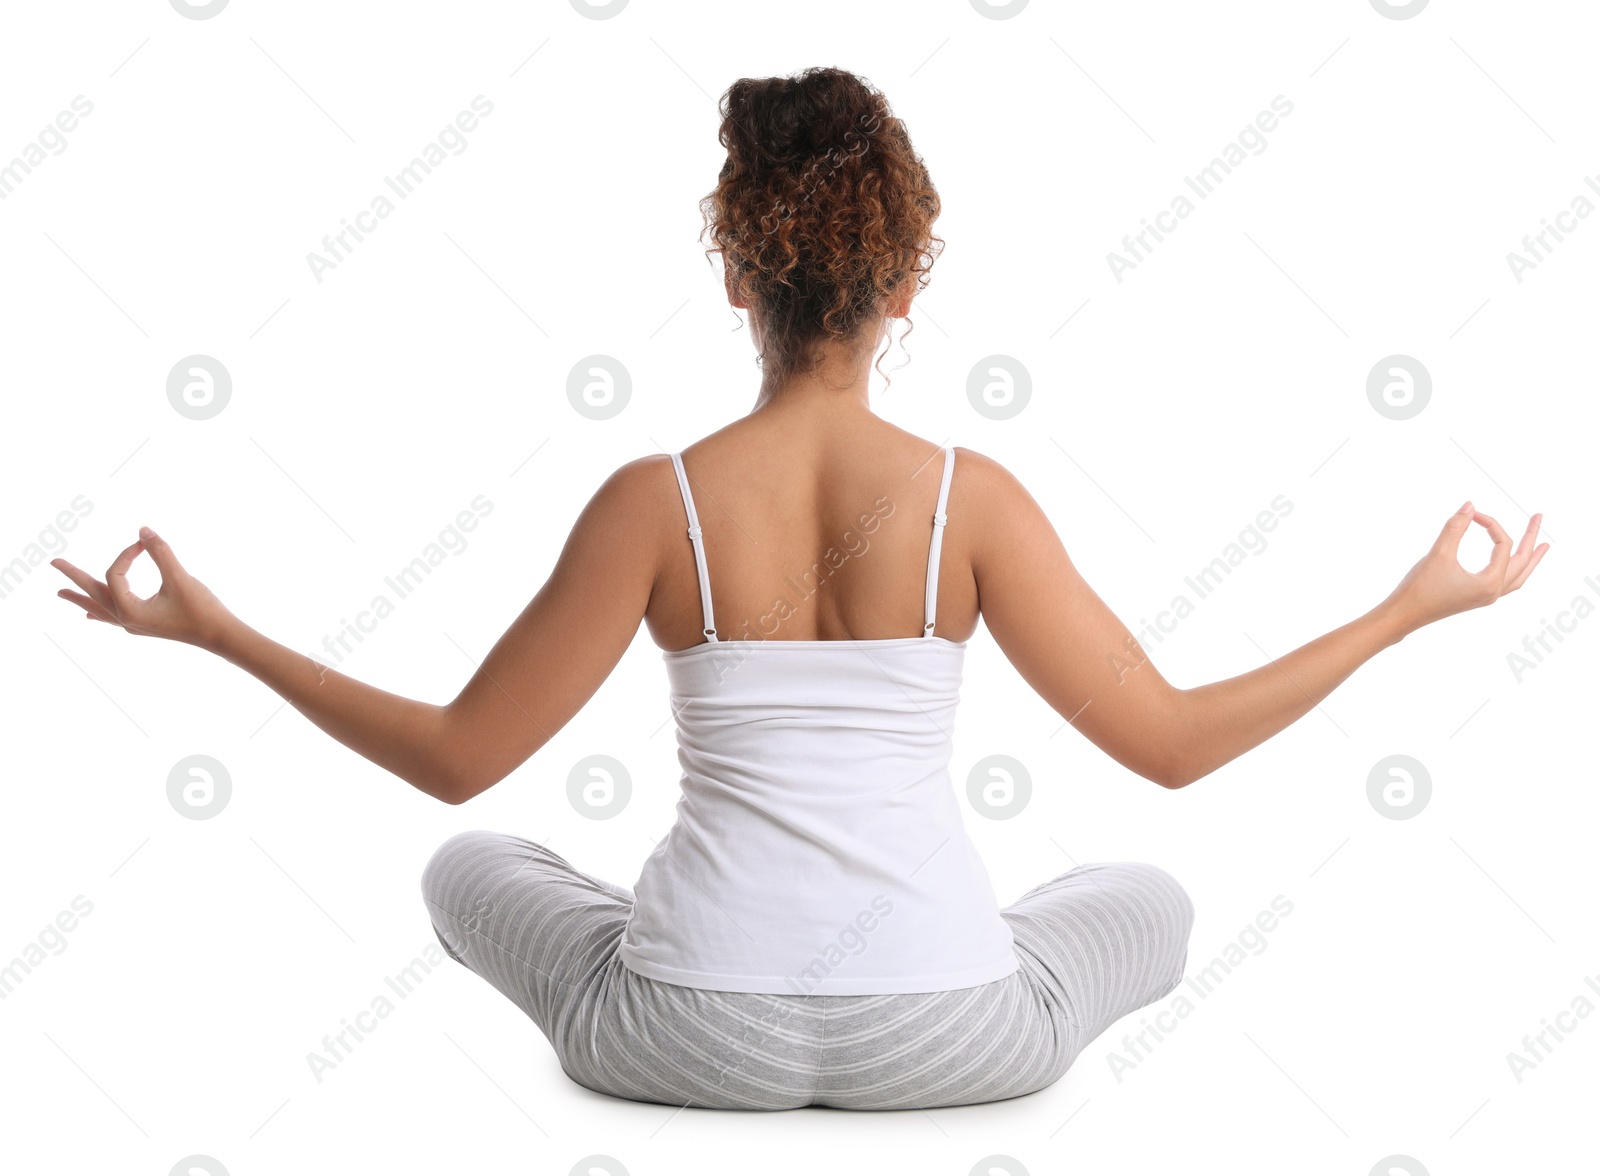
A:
(822, 212)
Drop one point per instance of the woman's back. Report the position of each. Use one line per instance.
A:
(818, 816)
(816, 519)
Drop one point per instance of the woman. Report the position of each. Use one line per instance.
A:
(816, 928)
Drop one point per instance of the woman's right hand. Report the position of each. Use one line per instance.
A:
(183, 609)
(1438, 586)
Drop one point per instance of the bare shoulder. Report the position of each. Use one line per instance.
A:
(642, 475)
(639, 482)
(989, 491)
(985, 472)
(633, 501)
(1003, 529)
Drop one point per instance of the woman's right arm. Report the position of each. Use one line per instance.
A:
(1085, 663)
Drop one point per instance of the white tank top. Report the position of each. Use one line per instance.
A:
(819, 847)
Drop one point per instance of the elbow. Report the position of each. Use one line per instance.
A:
(448, 774)
(461, 791)
(1183, 774)
(452, 788)
(462, 787)
(1178, 767)
(1172, 778)
(1167, 772)
(448, 793)
(1175, 767)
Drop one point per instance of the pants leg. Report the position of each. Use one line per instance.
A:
(524, 919)
(652, 1041)
(1093, 945)
(1103, 940)
(937, 1049)
(545, 934)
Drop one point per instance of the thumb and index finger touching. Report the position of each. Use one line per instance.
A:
(1500, 557)
(1455, 529)
(117, 575)
(160, 552)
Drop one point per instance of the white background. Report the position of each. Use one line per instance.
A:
(372, 406)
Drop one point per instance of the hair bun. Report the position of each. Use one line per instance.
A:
(822, 212)
(781, 121)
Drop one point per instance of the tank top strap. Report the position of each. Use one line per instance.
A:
(708, 625)
(937, 542)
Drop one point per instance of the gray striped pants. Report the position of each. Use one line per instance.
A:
(1094, 945)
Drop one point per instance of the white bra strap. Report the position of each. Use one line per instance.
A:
(937, 541)
(709, 627)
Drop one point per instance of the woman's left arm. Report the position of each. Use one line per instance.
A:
(539, 674)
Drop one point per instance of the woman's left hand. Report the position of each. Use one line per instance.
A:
(183, 609)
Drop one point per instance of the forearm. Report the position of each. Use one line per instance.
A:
(1222, 720)
(398, 734)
